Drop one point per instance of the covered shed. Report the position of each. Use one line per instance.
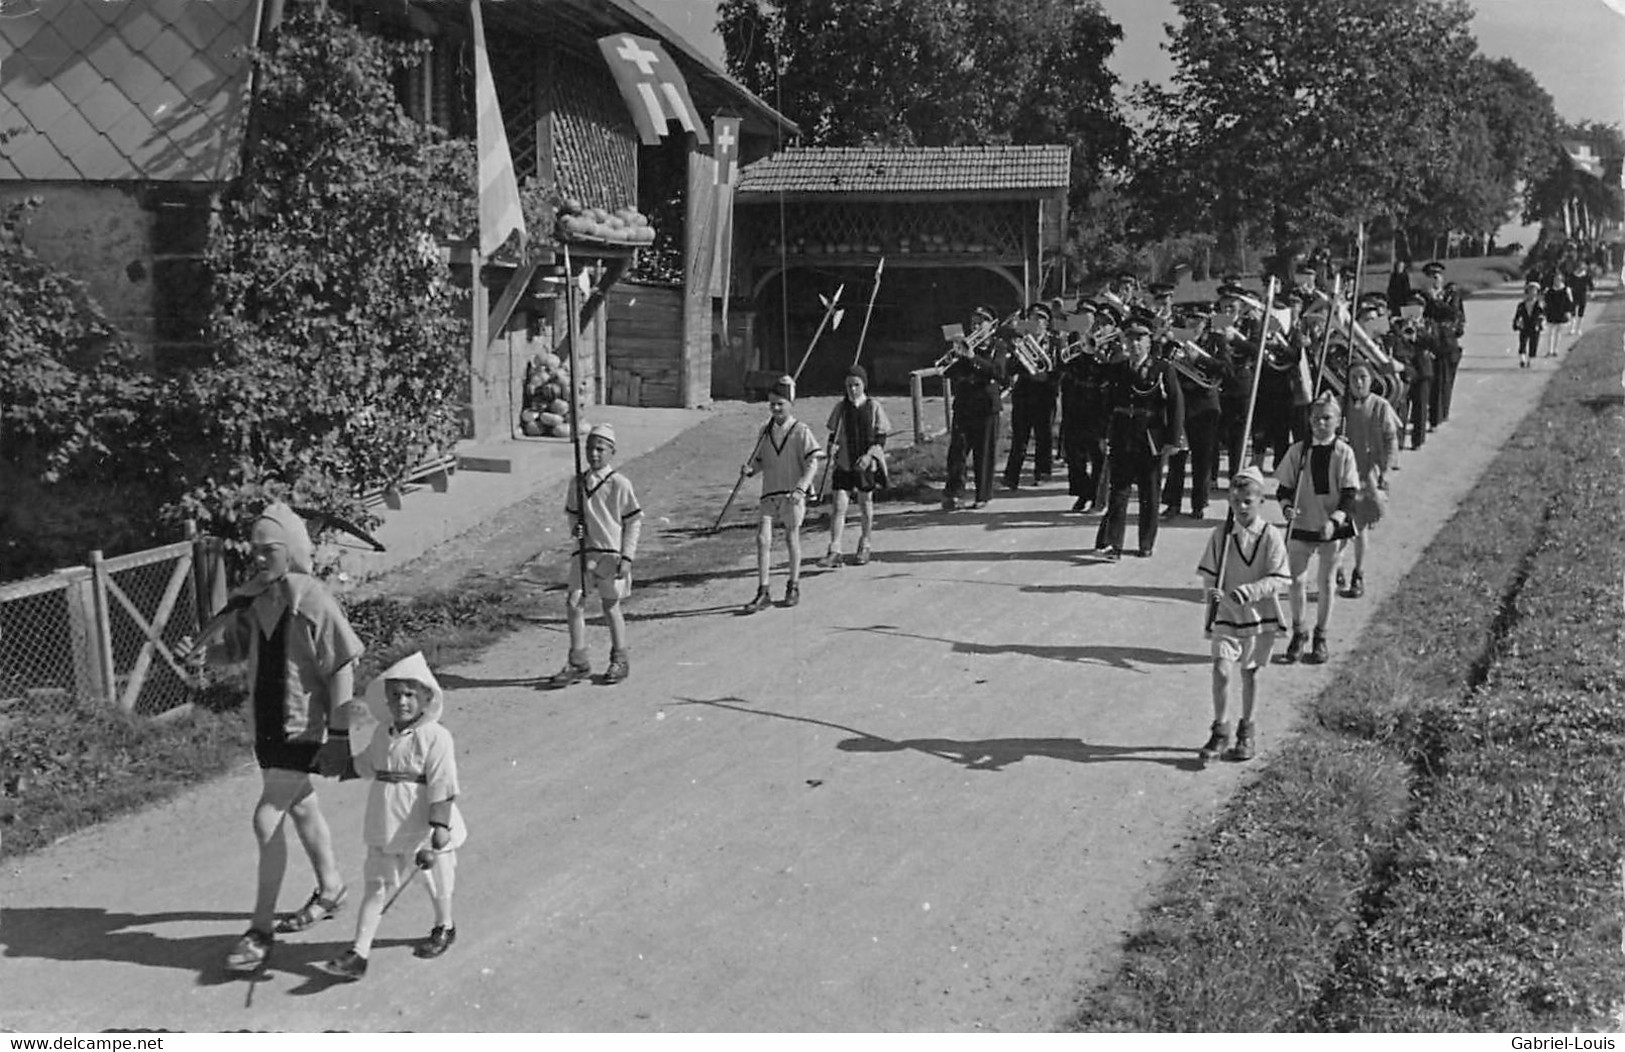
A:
(956, 226)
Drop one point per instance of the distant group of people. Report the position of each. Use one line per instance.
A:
(1554, 302)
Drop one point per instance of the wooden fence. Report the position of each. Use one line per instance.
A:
(107, 633)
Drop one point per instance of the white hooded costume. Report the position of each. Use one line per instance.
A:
(410, 769)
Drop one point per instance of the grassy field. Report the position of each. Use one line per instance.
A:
(1437, 849)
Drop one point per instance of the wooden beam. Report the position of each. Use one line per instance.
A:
(518, 281)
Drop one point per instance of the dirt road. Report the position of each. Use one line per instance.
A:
(931, 797)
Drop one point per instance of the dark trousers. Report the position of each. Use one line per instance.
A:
(1232, 419)
(1529, 343)
(1444, 382)
(1031, 419)
(975, 438)
(1085, 458)
(1421, 395)
(1136, 466)
(1201, 434)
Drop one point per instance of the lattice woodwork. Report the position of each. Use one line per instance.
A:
(595, 146)
(514, 70)
(966, 230)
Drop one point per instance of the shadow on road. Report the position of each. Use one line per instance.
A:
(980, 754)
(78, 933)
(1128, 658)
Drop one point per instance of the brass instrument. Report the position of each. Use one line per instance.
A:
(1103, 343)
(1030, 353)
(1195, 364)
(962, 346)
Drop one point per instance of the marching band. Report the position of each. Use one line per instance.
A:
(1153, 393)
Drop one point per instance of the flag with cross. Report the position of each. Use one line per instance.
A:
(725, 150)
(652, 86)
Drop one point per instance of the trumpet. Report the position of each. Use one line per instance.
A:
(1101, 344)
(962, 346)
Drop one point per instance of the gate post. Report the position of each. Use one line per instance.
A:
(85, 637)
(104, 631)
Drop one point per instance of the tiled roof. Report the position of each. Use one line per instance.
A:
(889, 170)
(123, 89)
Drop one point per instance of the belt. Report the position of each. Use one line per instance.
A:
(402, 777)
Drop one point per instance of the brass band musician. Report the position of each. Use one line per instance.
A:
(976, 374)
(1032, 403)
(1146, 425)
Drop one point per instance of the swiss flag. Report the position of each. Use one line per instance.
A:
(652, 86)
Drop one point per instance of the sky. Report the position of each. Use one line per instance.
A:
(1574, 48)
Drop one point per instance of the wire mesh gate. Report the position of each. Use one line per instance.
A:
(107, 633)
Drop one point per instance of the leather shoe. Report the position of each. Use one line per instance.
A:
(439, 941)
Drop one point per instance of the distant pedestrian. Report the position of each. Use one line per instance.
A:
(787, 456)
(1559, 309)
(1247, 609)
(605, 522)
(1528, 318)
(412, 819)
(300, 651)
(858, 428)
(1317, 484)
(1580, 290)
(1399, 287)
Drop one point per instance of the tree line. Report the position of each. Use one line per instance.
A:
(1286, 124)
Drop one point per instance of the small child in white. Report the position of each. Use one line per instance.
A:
(412, 817)
(1247, 605)
(606, 521)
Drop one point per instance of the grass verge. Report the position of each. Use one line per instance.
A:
(1437, 849)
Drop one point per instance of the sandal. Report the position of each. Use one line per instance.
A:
(251, 952)
(316, 908)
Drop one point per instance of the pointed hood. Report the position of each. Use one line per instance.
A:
(416, 669)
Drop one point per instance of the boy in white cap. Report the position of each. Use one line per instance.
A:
(606, 522)
(300, 651)
(1246, 605)
(412, 816)
(787, 455)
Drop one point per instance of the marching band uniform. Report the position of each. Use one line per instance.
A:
(1084, 415)
(1032, 413)
(976, 382)
(1412, 345)
(1147, 418)
(1443, 311)
(1202, 436)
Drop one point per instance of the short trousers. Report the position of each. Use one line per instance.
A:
(1342, 533)
(601, 567)
(1246, 651)
(854, 480)
(787, 509)
(286, 754)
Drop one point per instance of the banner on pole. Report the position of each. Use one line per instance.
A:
(652, 86)
(725, 147)
(500, 214)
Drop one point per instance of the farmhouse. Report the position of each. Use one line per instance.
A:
(130, 116)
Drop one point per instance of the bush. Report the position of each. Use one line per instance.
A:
(337, 331)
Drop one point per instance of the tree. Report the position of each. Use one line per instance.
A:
(337, 333)
(1296, 118)
(1500, 132)
(905, 73)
